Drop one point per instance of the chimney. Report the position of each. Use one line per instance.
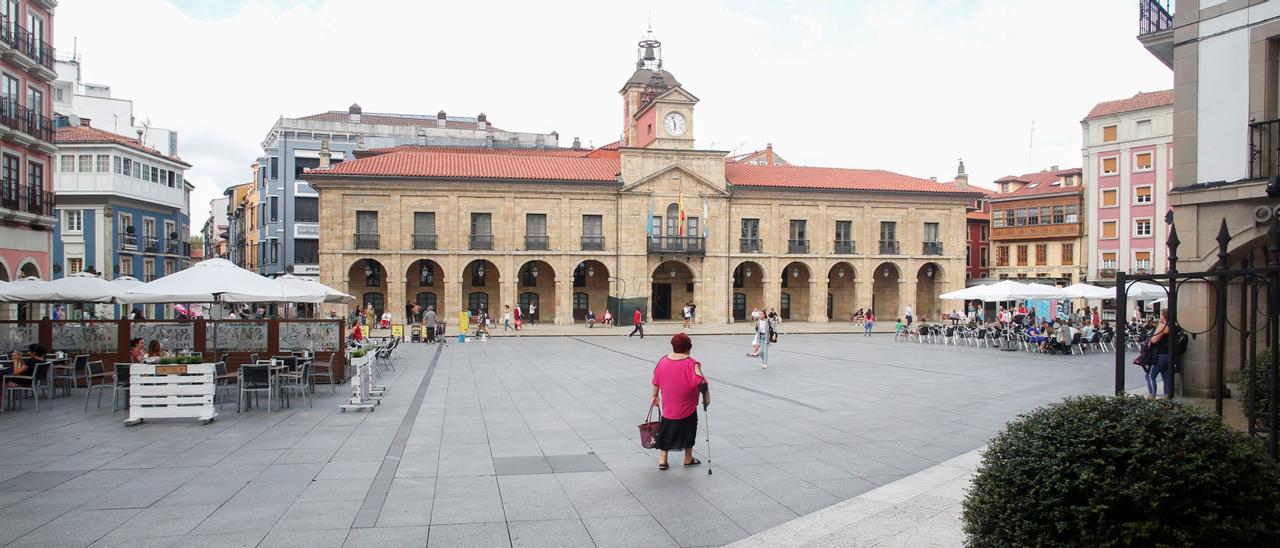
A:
(324, 154)
(577, 144)
(84, 122)
(768, 154)
(482, 122)
(934, 179)
(422, 137)
(441, 119)
(354, 112)
(1053, 168)
(360, 142)
(962, 178)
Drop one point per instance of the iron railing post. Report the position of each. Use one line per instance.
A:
(1220, 326)
(1250, 413)
(1121, 312)
(1273, 310)
(1173, 331)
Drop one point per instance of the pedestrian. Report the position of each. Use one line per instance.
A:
(766, 333)
(608, 318)
(909, 316)
(755, 334)
(693, 312)
(1160, 349)
(136, 315)
(518, 316)
(684, 313)
(386, 320)
(408, 312)
(1097, 318)
(869, 320)
(506, 318)
(368, 315)
(774, 319)
(533, 313)
(430, 318)
(638, 320)
(677, 381)
(591, 318)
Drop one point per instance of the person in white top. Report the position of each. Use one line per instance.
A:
(755, 339)
(909, 316)
(533, 313)
(764, 328)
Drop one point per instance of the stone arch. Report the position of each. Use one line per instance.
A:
(28, 267)
(536, 284)
(590, 289)
(5, 272)
(928, 286)
(367, 282)
(841, 298)
(793, 303)
(672, 287)
(748, 289)
(884, 291)
(424, 285)
(481, 285)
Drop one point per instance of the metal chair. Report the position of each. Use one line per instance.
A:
(221, 381)
(326, 371)
(96, 378)
(121, 385)
(39, 380)
(296, 380)
(70, 374)
(255, 378)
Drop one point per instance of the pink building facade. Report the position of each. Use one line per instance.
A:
(1128, 171)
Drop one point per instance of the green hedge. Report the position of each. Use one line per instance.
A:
(1123, 471)
(1263, 395)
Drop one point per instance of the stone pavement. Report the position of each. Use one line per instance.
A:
(525, 442)
(667, 328)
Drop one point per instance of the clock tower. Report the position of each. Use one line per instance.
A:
(657, 111)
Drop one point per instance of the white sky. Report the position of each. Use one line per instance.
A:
(904, 85)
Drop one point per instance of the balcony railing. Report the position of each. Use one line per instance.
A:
(26, 199)
(1154, 16)
(177, 247)
(128, 242)
(424, 241)
(844, 247)
(797, 246)
(481, 241)
(1264, 149)
(20, 118)
(749, 245)
(696, 245)
(535, 242)
(150, 244)
(888, 247)
(592, 242)
(21, 39)
(932, 248)
(365, 241)
(1107, 273)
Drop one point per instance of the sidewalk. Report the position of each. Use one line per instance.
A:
(664, 328)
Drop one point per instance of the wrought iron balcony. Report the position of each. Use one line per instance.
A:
(128, 242)
(365, 241)
(150, 244)
(177, 247)
(18, 118)
(797, 246)
(749, 245)
(844, 247)
(695, 245)
(1107, 273)
(932, 248)
(1264, 149)
(25, 199)
(19, 38)
(535, 242)
(888, 247)
(1154, 16)
(592, 243)
(481, 241)
(424, 241)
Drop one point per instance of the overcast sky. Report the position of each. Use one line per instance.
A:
(903, 85)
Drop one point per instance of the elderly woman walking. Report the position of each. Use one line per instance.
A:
(677, 380)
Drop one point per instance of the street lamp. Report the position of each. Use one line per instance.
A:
(533, 270)
(885, 272)
(591, 271)
(929, 272)
(672, 272)
(840, 272)
(480, 270)
(747, 270)
(795, 272)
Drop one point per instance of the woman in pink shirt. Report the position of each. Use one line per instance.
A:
(678, 380)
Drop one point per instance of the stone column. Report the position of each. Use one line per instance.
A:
(396, 281)
(818, 300)
(907, 296)
(564, 298)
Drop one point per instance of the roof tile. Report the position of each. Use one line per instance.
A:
(396, 120)
(407, 163)
(832, 178)
(88, 134)
(1038, 183)
(1137, 102)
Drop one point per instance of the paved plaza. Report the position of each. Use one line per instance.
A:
(526, 442)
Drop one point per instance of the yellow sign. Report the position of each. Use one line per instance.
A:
(463, 320)
(397, 331)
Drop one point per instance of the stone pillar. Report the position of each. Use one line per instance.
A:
(508, 290)
(907, 296)
(396, 281)
(818, 300)
(564, 298)
(450, 301)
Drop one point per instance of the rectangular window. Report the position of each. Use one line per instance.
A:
(149, 270)
(126, 265)
(997, 218)
(656, 226)
(1108, 261)
(104, 163)
(1143, 129)
(797, 230)
(844, 231)
(366, 222)
(115, 160)
(149, 227)
(303, 164)
(1033, 216)
(1002, 255)
(274, 204)
(274, 170)
(751, 229)
(967, 255)
(306, 251)
(481, 224)
(1022, 255)
(126, 166)
(169, 230)
(1109, 134)
(691, 227)
(1108, 229)
(1022, 217)
(535, 224)
(1068, 254)
(1142, 261)
(931, 232)
(424, 223)
(1142, 228)
(1142, 161)
(155, 174)
(1110, 166)
(73, 220)
(593, 226)
(35, 101)
(1110, 197)
(35, 183)
(168, 268)
(1059, 214)
(1042, 254)
(1071, 214)
(306, 210)
(983, 256)
(888, 231)
(1142, 195)
(984, 233)
(67, 164)
(275, 251)
(86, 163)
(75, 265)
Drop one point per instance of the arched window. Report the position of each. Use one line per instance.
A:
(673, 220)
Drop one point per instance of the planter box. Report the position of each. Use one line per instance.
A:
(158, 391)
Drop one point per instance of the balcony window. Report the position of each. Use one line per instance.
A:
(481, 231)
(592, 232)
(1142, 195)
(888, 238)
(366, 236)
(1142, 228)
(798, 241)
(750, 239)
(306, 209)
(149, 270)
(424, 230)
(535, 231)
(1142, 262)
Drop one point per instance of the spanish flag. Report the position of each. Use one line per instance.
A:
(680, 230)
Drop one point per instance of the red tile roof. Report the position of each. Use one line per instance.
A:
(396, 120)
(1038, 183)
(1137, 102)
(833, 178)
(978, 215)
(479, 166)
(569, 152)
(87, 134)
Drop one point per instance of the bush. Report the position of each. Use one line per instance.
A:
(1262, 397)
(1123, 471)
(359, 352)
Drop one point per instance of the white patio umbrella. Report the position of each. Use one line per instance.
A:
(966, 294)
(1086, 291)
(217, 280)
(80, 287)
(1004, 290)
(303, 285)
(1143, 291)
(22, 290)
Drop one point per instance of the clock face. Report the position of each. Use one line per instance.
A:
(675, 124)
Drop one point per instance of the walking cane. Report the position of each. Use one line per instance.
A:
(707, 414)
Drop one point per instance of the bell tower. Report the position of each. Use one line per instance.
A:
(650, 85)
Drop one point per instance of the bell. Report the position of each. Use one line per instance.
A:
(648, 54)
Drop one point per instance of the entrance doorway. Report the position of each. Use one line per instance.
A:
(661, 301)
(581, 303)
(739, 307)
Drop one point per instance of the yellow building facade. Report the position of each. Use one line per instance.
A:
(651, 222)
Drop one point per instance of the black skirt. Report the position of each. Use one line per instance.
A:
(678, 434)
